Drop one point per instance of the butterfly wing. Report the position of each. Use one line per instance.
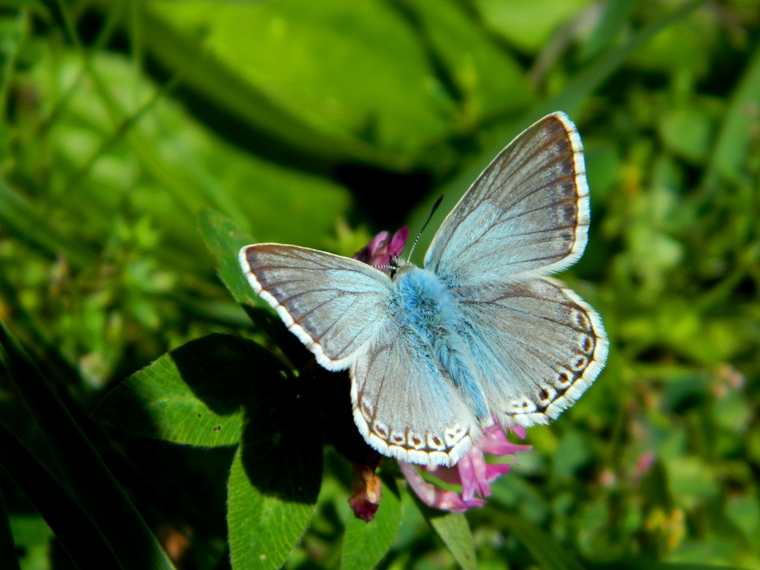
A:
(333, 304)
(527, 215)
(537, 345)
(403, 404)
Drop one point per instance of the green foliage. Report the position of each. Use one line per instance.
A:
(142, 144)
(364, 545)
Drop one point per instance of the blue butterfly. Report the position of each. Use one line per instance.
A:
(479, 333)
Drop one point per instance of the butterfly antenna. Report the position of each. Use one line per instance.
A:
(430, 217)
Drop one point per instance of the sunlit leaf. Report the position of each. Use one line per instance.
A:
(454, 530)
(365, 544)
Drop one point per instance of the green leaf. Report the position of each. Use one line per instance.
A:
(381, 113)
(546, 551)
(365, 544)
(8, 557)
(224, 239)
(19, 215)
(611, 23)
(71, 525)
(90, 481)
(454, 530)
(736, 132)
(528, 25)
(275, 479)
(194, 394)
(483, 77)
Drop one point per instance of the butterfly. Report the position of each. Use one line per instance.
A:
(479, 333)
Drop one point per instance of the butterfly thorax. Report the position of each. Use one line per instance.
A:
(425, 304)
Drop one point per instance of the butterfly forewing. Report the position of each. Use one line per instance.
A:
(404, 406)
(333, 304)
(525, 216)
(488, 322)
(537, 345)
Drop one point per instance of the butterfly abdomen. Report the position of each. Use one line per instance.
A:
(426, 305)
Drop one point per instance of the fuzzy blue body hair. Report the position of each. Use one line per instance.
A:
(427, 306)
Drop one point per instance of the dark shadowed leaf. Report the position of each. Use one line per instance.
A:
(275, 477)
(194, 394)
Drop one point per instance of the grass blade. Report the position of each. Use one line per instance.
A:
(76, 531)
(88, 478)
(546, 551)
(8, 558)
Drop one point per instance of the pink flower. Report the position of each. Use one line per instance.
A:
(381, 250)
(471, 471)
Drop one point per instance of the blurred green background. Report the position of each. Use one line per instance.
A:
(321, 123)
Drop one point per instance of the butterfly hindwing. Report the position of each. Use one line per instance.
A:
(527, 215)
(537, 345)
(404, 406)
(333, 304)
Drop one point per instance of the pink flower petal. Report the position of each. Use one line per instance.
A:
(398, 242)
(434, 496)
(496, 470)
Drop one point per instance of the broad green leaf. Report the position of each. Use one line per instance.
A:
(90, 481)
(388, 108)
(528, 25)
(454, 530)
(482, 76)
(194, 394)
(224, 239)
(275, 477)
(736, 134)
(365, 544)
(8, 556)
(119, 146)
(71, 525)
(611, 23)
(744, 512)
(543, 547)
(687, 132)
(683, 48)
